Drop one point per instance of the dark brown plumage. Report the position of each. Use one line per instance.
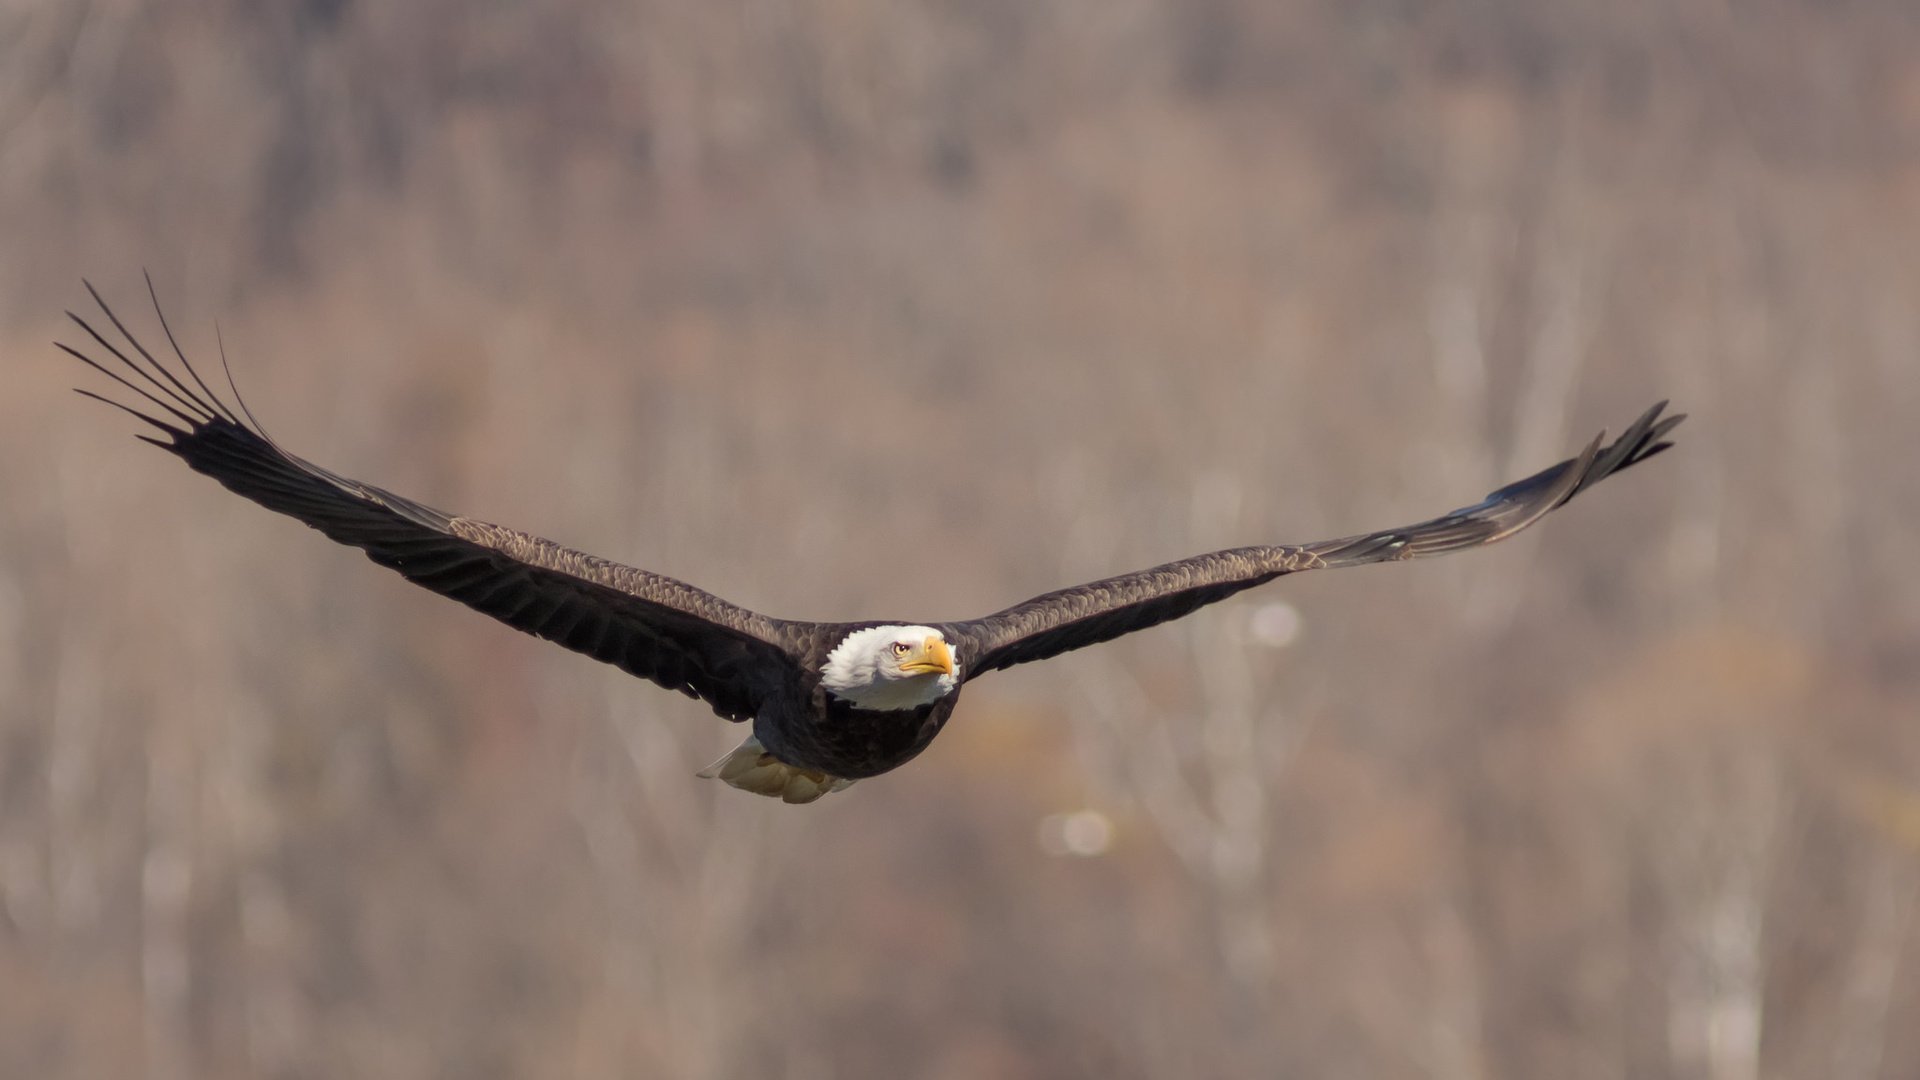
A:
(1102, 610)
(826, 699)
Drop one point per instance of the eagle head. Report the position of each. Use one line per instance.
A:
(891, 667)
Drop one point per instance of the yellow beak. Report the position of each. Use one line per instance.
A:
(934, 658)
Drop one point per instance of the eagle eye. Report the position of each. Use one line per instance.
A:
(900, 648)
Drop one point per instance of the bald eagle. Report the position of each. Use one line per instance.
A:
(830, 703)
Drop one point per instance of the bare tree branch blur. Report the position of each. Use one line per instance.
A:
(1631, 796)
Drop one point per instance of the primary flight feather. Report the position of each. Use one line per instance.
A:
(830, 703)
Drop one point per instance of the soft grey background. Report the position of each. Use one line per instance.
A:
(846, 309)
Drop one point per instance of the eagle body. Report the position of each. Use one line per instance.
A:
(821, 732)
(828, 703)
(811, 727)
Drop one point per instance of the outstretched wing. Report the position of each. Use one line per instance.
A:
(652, 626)
(1102, 610)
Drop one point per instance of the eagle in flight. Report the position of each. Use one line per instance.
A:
(830, 703)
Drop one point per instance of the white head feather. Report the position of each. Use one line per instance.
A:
(864, 670)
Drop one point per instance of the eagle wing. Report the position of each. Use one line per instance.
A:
(644, 623)
(1088, 614)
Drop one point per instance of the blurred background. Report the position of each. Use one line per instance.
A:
(701, 287)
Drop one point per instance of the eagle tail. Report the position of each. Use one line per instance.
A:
(750, 767)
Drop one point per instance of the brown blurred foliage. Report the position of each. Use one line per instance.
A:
(852, 309)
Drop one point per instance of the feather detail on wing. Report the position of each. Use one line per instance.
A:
(649, 625)
(1083, 615)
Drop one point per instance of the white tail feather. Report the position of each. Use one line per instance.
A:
(750, 768)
